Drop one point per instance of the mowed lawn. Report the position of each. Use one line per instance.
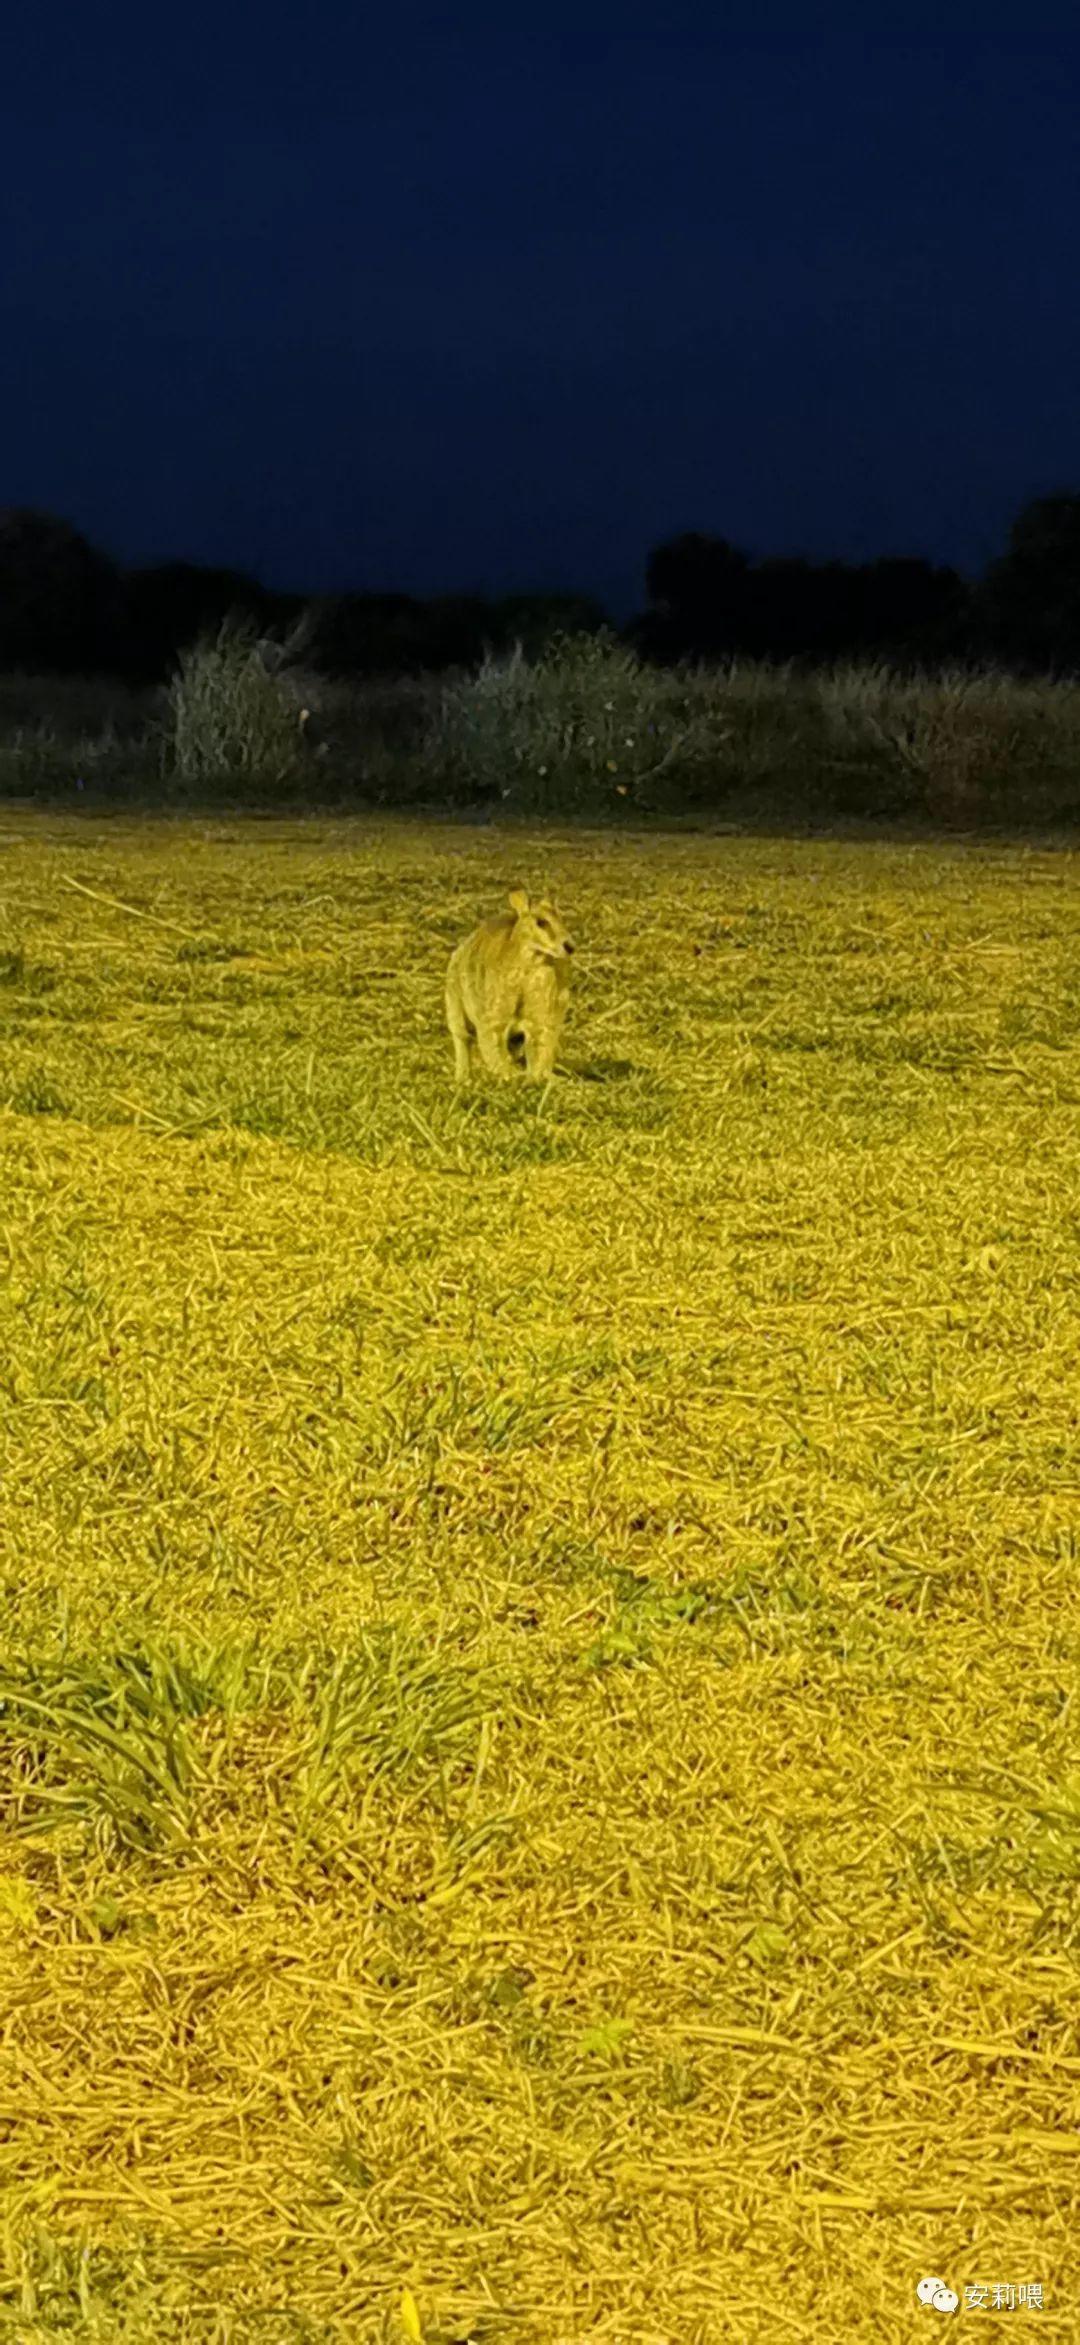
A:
(539, 1630)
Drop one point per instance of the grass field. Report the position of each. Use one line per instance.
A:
(540, 1630)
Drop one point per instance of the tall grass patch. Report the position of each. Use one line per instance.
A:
(957, 748)
(66, 737)
(589, 729)
(585, 730)
(228, 721)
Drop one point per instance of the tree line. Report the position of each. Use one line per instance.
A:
(66, 608)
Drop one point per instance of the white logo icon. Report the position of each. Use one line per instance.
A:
(939, 2294)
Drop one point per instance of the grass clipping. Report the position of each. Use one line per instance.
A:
(538, 1792)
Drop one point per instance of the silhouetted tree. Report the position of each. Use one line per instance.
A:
(370, 635)
(452, 632)
(709, 601)
(169, 606)
(799, 610)
(698, 587)
(398, 634)
(534, 620)
(898, 609)
(914, 608)
(1029, 603)
(60, 599)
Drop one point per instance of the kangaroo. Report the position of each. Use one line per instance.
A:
(507, 988)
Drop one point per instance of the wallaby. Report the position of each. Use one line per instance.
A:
(507, 987)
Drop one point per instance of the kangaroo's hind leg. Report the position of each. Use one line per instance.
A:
(494, 1055)
(462, 1035)
(542, 1030)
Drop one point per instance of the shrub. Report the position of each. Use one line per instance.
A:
(227, 719)
(585, 729)
(42, 761)
(958, 747)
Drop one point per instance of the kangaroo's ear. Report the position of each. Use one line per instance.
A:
(519, 902)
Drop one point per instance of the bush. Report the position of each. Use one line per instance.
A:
(378, 734)
(586, 728)
(228, 720)
(44, 761)
(65, 737)
(958, 748)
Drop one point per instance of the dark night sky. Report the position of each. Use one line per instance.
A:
(493, 298)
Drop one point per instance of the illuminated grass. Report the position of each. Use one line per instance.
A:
(537, 1758)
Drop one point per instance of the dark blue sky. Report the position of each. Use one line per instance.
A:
(488, 298)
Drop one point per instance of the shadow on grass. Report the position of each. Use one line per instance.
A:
(603, 1070)
(759, 815)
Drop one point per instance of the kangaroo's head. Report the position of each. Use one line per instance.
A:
(539, 928)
